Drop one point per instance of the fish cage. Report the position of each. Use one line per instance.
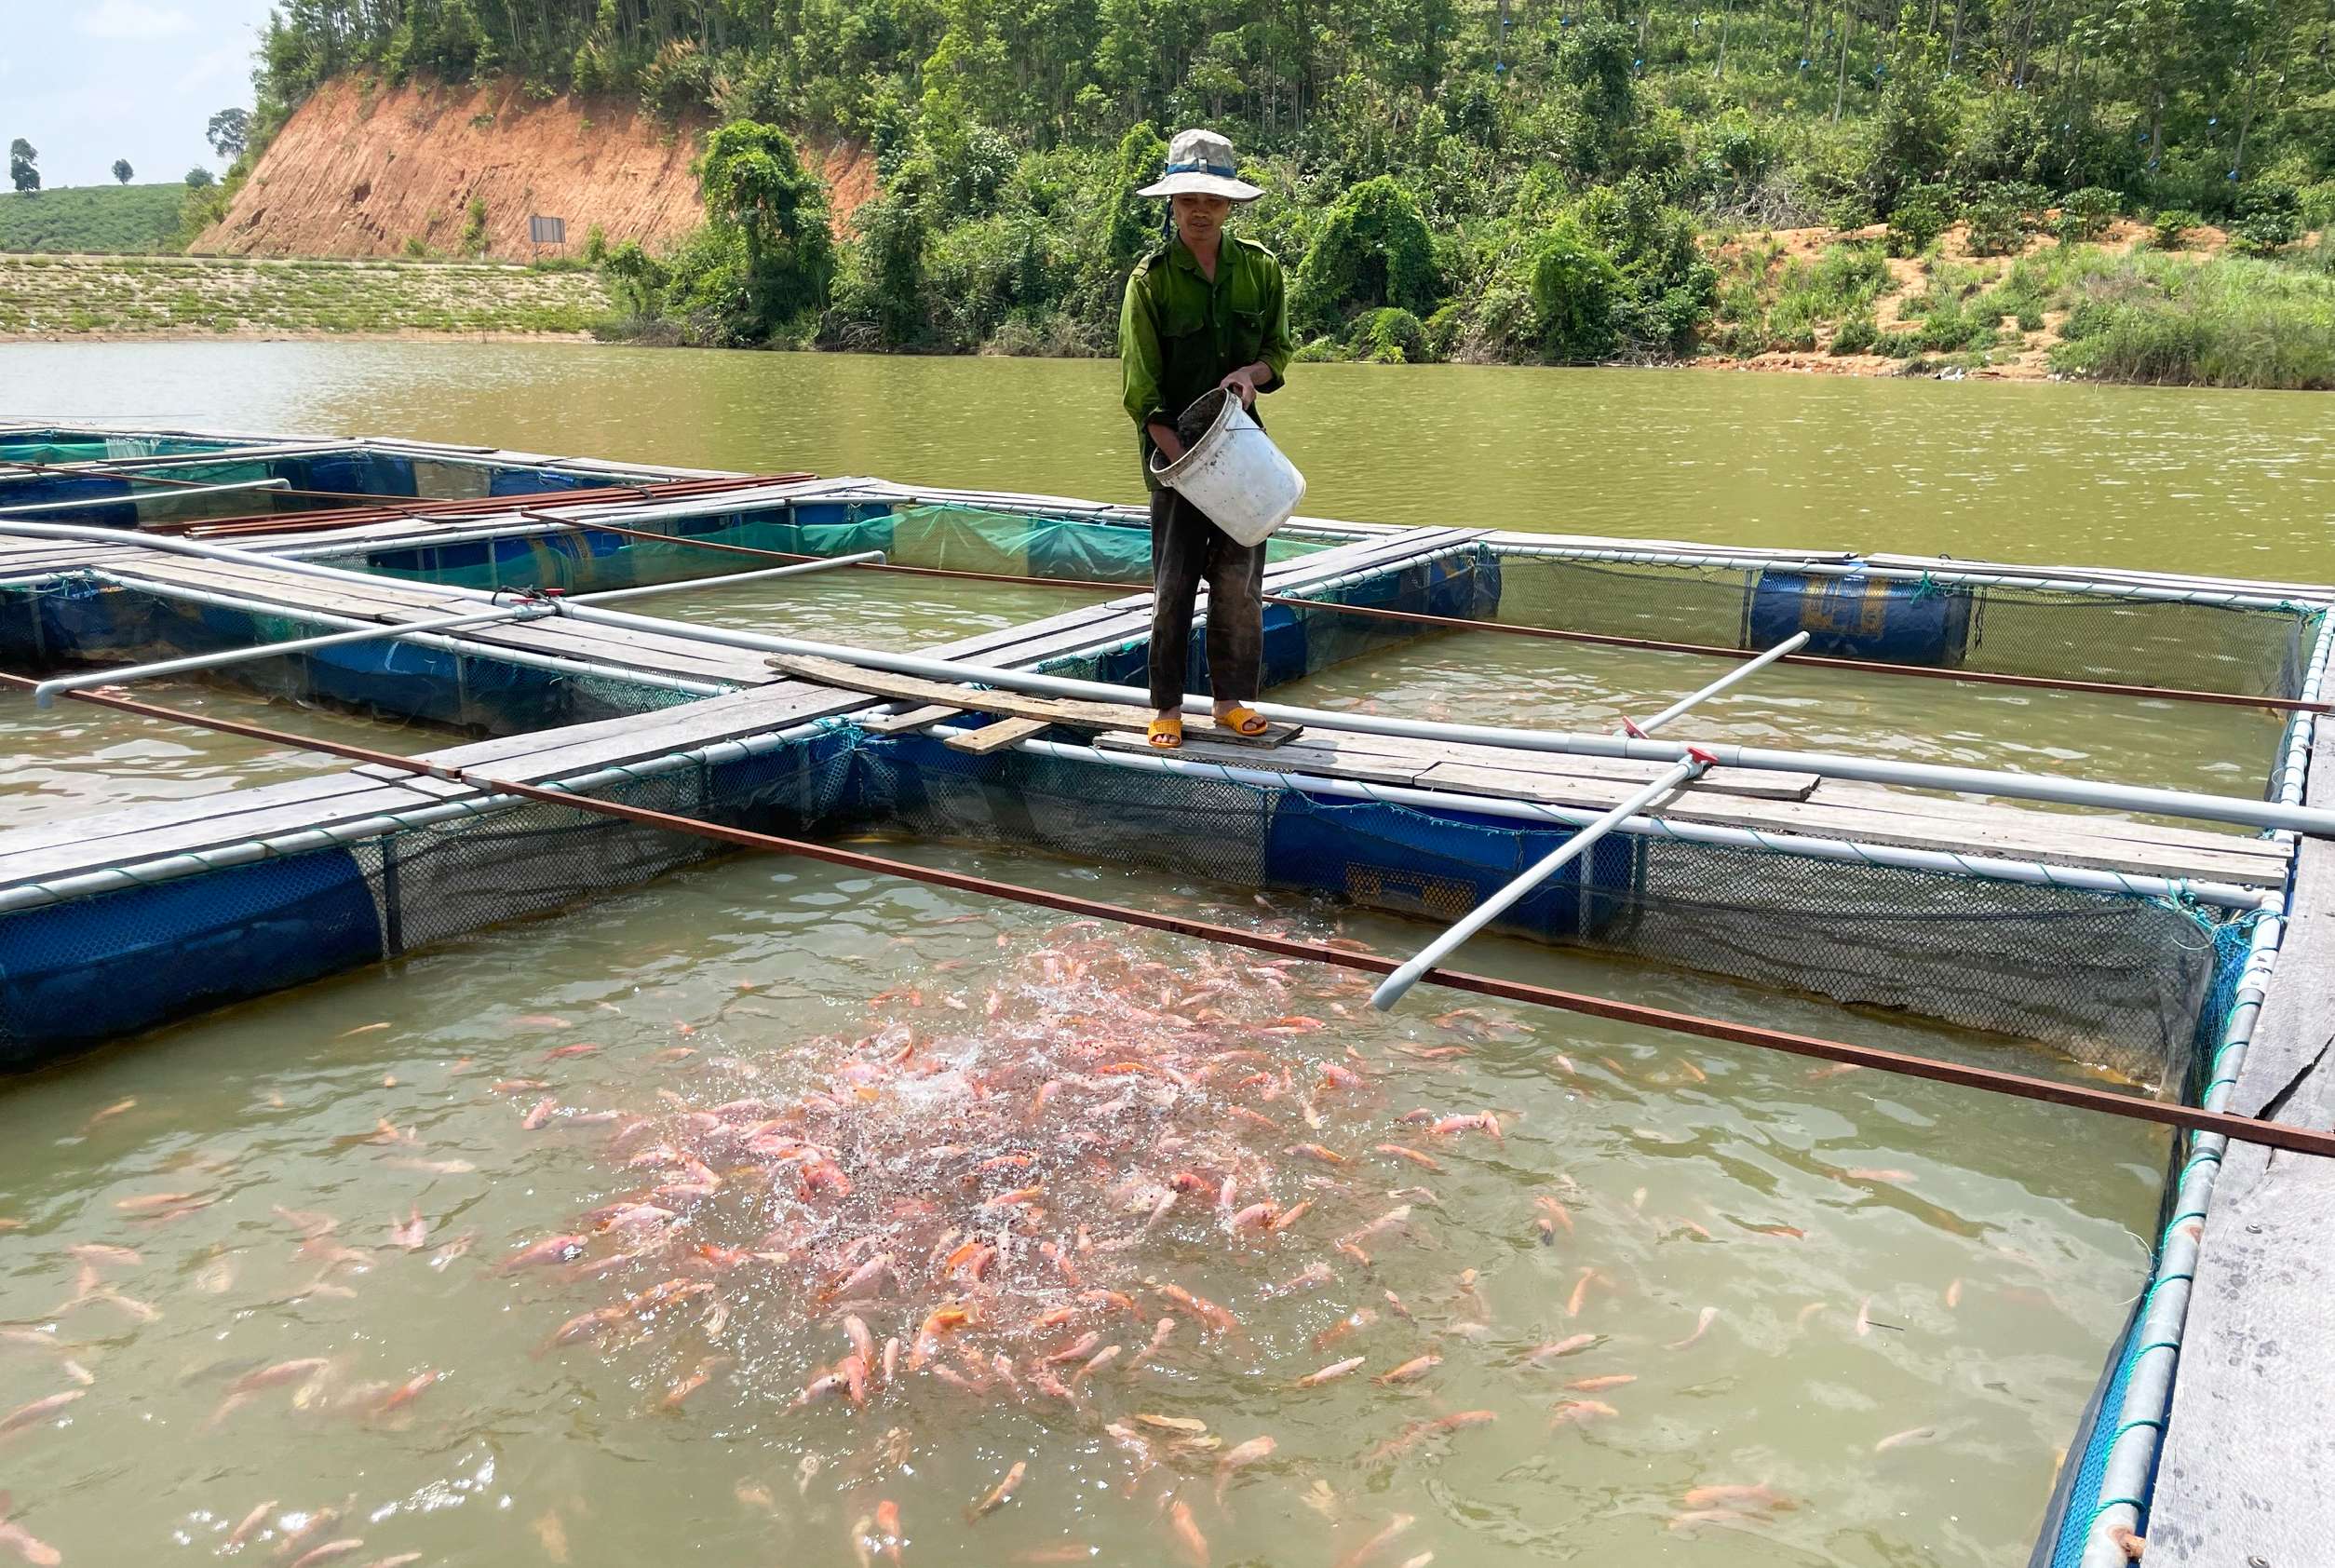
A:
(2154, 976)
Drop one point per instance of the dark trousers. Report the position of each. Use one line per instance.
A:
(1187, 549)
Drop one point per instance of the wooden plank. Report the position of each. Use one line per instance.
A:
(2049, 838)
(997, 736)
(1875, 797)
(96, 828)
(913, 719)
(1311, 755)
(1756, 783)
(253, 819)
(1053, 710)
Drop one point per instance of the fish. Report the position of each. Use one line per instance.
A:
(331, 1551)
(119, 1107)
(551, 1250)
(1393, 1219)
(540, 1114)
(1580, 1292)
(1161, 1331)
(410, 1390)
(887, 1523)
(1102, 1359)
(561, 1053)
(1353, 1322)
(1702, 1325)
(540, 1020)
(1865, 1317)
(26, 1545)
(360, 1029)
(281, 1373)
(1331, 1373)
(1905, 1438)
(1953, 1292)
(1417, 1367)
(412, 1233)
(1254, 1451)
(1187, 1533)
(1398, 1150)
(1290, 1216)
(1758, 1495)
(151, 1203)
(1372, 1547)
(249, 1524)
(1565, 1346)
(1186, 1424)
(38, 1411)
(1481, 1121)
(99, 1252)
(1570, 1411)
(1207, 1311)
(1078, 1349)
(1316, 1152)
(1596, 1384)
(999, 1495)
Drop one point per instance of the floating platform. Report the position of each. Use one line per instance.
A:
(2143, 940)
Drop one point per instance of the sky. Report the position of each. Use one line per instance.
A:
(89, 81)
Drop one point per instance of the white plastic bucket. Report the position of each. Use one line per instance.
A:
(1235, 475)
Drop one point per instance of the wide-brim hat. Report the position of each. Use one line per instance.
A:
(1201, 161)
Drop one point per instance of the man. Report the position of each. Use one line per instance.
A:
(1202, 312)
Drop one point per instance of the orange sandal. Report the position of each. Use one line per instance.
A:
(1164, 734)
(1243, 720)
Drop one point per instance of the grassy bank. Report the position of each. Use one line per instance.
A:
(2119, 310)
(189, 296)
(114, 220)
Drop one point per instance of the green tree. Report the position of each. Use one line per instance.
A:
(198, 177)
(1576, 289)
(1373, 250)
(756, 189)
(122, 172)
(229, 132)
(26, 178)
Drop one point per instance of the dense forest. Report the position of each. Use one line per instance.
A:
(1486, 178)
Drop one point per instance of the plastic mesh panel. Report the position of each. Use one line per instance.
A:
(2003, 630)
(2116, 980)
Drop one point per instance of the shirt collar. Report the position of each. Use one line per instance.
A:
(1180, 255)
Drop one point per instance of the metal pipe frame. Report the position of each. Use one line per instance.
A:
(2126, 1479)
(1983, 781)
(35, 895)
(45, 694)
(2221, 895)
(1964, 576)
(89, 501)
(428, 640)
(609, 596)
(1391, 989)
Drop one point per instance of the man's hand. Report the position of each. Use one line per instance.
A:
(1242, 383)
(1164, 438)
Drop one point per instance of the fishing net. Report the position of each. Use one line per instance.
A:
(2137, 640)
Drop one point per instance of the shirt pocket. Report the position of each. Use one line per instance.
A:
(1249, 332)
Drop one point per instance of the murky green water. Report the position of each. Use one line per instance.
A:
(1909, 1292)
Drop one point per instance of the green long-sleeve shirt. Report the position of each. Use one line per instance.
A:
(1179, 334)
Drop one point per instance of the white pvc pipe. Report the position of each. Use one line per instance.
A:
(2132, 1450)
(2223, 894)
(609, 596)
(2004, 579)
(44, 694)
(87, 501)
(1390, 990)
(1919, 776)
(1791, 644)
(559, 663)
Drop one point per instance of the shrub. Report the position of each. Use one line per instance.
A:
(1857, 334)
(2085, 213)
(595, 246)
(1576, 287)
(474, 229)
(1918, 218)
(2171, 225)
(1372, 250)
(1389, 336)
(2001, 216)
(2269, 217)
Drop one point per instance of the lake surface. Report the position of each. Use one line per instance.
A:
(1691, 1305)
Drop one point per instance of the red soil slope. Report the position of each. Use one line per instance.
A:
(359, 173)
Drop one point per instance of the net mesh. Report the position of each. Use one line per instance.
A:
(2256, 651)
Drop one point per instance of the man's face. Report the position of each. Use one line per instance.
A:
(1199, 217)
